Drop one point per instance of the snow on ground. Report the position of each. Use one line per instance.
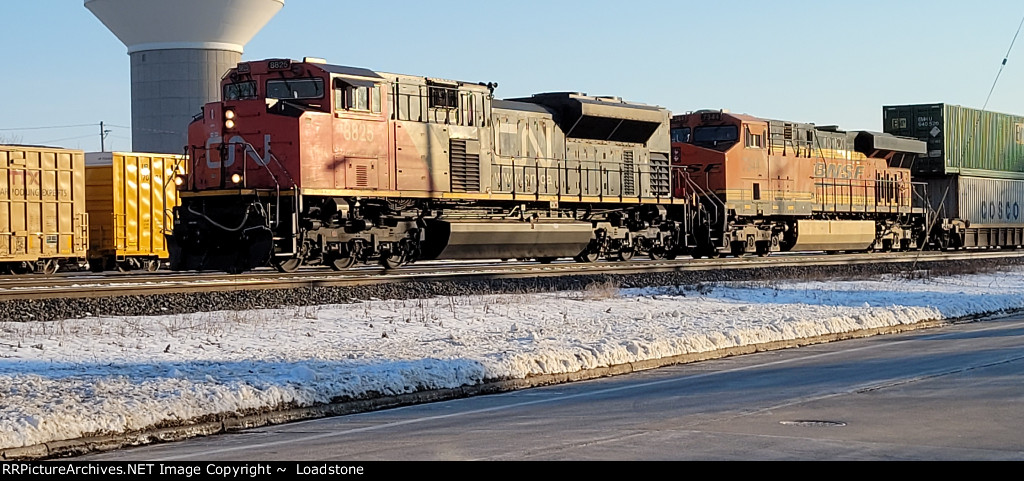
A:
(63, 380)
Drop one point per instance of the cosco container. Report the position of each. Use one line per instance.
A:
(992, 208)
(43, 219)
(961, 140)
(131, 197)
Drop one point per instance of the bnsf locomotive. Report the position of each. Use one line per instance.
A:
(305, 163)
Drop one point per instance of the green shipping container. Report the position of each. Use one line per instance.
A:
(961, 140)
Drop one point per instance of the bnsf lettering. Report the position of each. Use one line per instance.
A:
(838, 171)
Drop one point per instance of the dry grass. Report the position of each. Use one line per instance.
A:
(601, 290)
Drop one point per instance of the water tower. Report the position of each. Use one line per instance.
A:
(179, 51)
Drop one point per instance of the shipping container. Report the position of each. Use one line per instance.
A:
(961, 140)
(131, 197)
(43, 219)
(990, 207)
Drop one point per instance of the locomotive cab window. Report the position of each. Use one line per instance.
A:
(681, 135)
(356, 95)
(443, 97)
(753, 140)
(295, 89)
(240, 91)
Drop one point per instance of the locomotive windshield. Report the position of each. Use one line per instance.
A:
(295, 89)
(240, 90)
(714, 134)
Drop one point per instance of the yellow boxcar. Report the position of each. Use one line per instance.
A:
(130, 199)
(43, 218)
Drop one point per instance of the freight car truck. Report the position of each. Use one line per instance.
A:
(130, 199)
(43, 219)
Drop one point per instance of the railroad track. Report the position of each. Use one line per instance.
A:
(77, 285)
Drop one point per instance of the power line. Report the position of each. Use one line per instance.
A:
(67, 138)
(63, 127)
(1003, 64)
(52, 127)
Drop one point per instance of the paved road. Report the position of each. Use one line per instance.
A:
(952, 393)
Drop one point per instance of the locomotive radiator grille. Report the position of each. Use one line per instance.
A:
(659, 175)
(628, 174)
(465, 167)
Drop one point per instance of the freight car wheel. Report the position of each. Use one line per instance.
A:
(50, 267)
(626, 255)
(152, 265)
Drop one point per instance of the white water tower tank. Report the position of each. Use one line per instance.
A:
(179, 51)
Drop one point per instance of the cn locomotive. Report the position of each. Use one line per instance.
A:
(307, 163)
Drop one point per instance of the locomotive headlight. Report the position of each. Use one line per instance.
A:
(229, 119)
(229, 124)
(229, 114)
(236, 178)
(179, 179)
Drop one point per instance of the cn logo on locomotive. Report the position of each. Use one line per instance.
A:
(233, 144)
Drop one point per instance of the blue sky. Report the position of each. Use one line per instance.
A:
(826, 62)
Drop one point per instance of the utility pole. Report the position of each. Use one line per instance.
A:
(103, 136)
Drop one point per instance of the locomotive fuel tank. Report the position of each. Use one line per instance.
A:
(479, 239)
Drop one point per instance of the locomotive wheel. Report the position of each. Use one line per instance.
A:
(626, 254)
(587, 257)
(656, 254)
(392, 261)
(152, 265)
(342, 263)
(291, 264)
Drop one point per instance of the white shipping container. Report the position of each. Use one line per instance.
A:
(982, 201)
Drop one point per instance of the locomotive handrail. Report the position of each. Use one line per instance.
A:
(700, 191)
(277, 185)
(561, 187)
